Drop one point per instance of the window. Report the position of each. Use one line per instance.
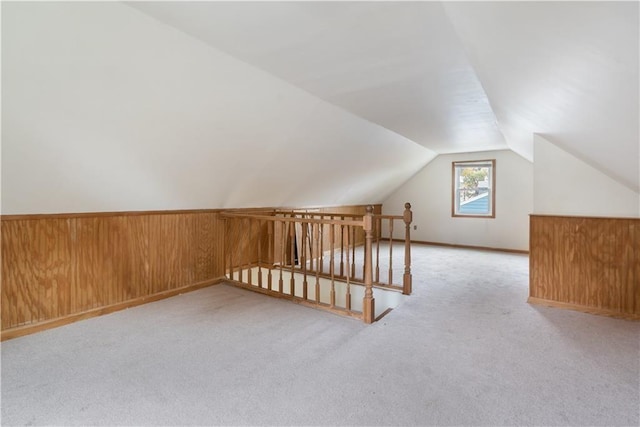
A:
(474, 187)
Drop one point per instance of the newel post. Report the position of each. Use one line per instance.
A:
(368, 302)
(406, 278)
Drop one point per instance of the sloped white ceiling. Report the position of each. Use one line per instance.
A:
(565, 70)
(451, 76)
(107, 109)
(397, 64)
(136, 106)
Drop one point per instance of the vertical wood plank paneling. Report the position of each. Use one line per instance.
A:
(88, 262)
(209, 233)
(171, 241)
(241, 235)
(61, 266)
(634, 276)
(219, 233)
(205, 233)
(589, 263)
(137, 272)
(112, 260)
(36, 270)
(7, 293)
(57, 267)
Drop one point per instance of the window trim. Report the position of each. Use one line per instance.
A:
(492, 188)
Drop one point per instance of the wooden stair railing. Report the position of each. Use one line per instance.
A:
(391, 221)
(314, 258)
(406, 218)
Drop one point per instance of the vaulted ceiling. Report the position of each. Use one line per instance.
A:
(110, 106)
(451, 76)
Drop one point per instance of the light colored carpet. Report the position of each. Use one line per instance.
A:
(465, 349)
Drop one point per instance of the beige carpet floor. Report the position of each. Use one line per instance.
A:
(464, 349)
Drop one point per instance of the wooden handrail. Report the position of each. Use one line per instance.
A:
(324, 214)
(291, 219)
(292, 243)
(388, 216)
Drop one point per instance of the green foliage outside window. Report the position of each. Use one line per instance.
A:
(471, 177)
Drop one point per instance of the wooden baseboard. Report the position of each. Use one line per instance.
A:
(582, 308)
(49, 324)
(480, 248)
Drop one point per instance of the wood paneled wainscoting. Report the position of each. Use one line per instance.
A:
(60, 268)
(586, 263)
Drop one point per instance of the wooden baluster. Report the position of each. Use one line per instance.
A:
(406, 278)
(363, 266)
(270, 243)
(378, 233)
(390, 251)
(232, 247)
(368, 302)
(313, 249)
(348, 294)
(318, 240)
(320, 263)
(342, 248)
(237, 262)
(332, 266)
(259, 222)
(234, 250)
(247, 248)
(228, 231)
(353, 251)
(283, 244)
(292, 237)
(303, 258)
(310, 245)
(225, 257)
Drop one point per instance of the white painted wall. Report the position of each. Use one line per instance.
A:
(107, 109)
(565, 185)
(429, 193)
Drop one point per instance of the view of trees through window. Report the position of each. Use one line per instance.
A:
(474, 182)
(473, 188)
